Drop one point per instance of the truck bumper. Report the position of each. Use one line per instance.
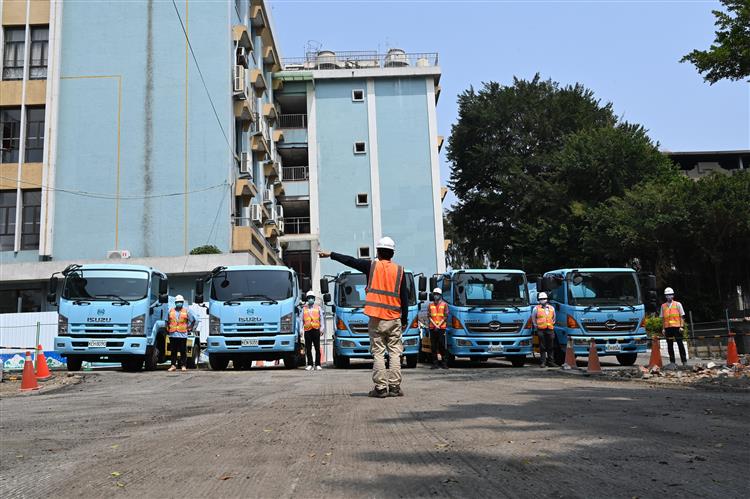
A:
(607, 345)
(115, 347)
(358, 347)
(266, 344)
(472, 346)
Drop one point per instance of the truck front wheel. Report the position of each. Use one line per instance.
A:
(340, 362)
(517, 361)
(132, 365)
(411, 361)
(627, 359)
(290, 361)
(152, 358)
(73, 363)
(192, 362)
(218, 362)
(559, 354)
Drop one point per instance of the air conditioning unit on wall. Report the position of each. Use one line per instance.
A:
(256, 214)
(238, 81)
(118, 254)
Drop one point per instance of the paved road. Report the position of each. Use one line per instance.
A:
(481, 431)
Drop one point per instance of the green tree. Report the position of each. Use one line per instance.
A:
(729, 55)
(208, 249)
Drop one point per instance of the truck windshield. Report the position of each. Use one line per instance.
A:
(252, 285)
(605, 288)
(491, 289)
(106, 285)
(351, 290)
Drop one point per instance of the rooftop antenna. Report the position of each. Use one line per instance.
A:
(312, 47)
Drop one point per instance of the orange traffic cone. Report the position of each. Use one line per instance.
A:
(655, 360)
(732, 357)
(28, 382)
(42, 369)
(594, 366)
(570, 356)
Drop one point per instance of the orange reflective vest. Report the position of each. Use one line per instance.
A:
(311, 317)
(383, 300)
(178, 323)
(438, 315)
(545, 317)
(671, 314)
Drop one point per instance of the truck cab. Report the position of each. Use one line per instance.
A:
(601, 304)
(488, 315)
(113, 312)
(253, 314)
(351, 339)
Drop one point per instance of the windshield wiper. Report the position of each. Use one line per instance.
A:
(118, 298)
(265, 297)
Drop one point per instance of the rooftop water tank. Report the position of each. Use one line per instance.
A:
(396, 58)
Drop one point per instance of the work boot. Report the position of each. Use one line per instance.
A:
(379, 393)
(444, 365)
(551, 363)
(434, 365)
(395, 391)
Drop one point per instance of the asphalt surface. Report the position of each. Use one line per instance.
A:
(483, 430)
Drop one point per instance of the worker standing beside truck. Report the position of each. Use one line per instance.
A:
(386, 305)
(312, 324)
(543, 320)
(673, 322)
(180, 322)
(438, 312)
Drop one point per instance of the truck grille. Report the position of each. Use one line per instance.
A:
(359, 328)
(251, 330)
(495, 327)
(98, 330)
(611, 326)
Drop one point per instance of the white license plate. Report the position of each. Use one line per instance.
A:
(97, 343)
(495, 348)
(249, 342)
(609, 347)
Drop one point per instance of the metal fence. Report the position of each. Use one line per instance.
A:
(295, 173)
(292, 121)
(326, 59)
(296, 225)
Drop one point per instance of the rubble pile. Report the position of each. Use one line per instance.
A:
(710, 373)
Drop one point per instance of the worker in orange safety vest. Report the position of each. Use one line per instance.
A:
(543, 320)
(180, 322)
(313, 322)
(438, 312)
(673, 323)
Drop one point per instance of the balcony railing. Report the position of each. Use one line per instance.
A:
(292, 121)
(296, 225)
(327, 59)
(291, 173)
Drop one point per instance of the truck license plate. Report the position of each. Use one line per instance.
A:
(495, 348)
(609, 347)
(249, 342)
(97, 343)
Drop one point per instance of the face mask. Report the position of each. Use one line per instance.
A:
(670, 297)
(178, 305)
(543, 301)
(311, 301)
(435, 297)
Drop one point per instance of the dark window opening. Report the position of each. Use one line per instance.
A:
(359, 148)
(10, 134)
(31, 218)
(358, 95)
(362, 199)
(364, 252)
(7, 220)
(34, 135)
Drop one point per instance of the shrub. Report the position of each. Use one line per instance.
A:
(208, 249)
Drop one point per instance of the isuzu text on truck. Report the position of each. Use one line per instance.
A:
(253, 314)
(603, 304)
(114, 312)
(488, 315)
(351, 339)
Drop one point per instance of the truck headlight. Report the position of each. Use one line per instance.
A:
(62, 325)
(463, 343)
(137, 325)
(410, 342)
(347, 344)
(286, 323)
(214, 325)
(524, 343)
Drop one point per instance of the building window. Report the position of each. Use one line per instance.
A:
(34, 135)
(7, 220)
(362, 199)
(10, 134)
(39, 57)
(358, 95)
(21, 299)
(360, 148)
(13, 53)
(363, 252)
(30, 217)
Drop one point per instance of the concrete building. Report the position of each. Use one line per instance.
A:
(697, 164)
(153, 128)
(360, 155)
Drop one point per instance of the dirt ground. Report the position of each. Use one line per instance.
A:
(483, 430)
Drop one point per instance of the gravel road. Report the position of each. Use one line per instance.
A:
(478, 431)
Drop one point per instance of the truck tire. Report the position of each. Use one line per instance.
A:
(152, 358)
(517, 361)
(218, 362)
(290, 361)
(132, 365)
(74, 363)
(411, 361)
(559, 354)
(192, 362)
(340, 362)
(450, 359)
(627, 359)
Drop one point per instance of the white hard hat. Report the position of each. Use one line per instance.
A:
(669, 291)
(386, 243)
(438, 291)
(310, 293)
(542, 295)
(179, 298)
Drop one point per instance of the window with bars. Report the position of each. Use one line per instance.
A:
(10, 134)
(31, 217)
(7, 220)
(39, 56)
(34, 134)
(13, 53)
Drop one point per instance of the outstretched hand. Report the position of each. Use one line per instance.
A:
(324, 254)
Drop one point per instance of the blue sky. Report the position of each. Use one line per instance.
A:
(627, 52)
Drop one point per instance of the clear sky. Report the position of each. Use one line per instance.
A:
(626, 51)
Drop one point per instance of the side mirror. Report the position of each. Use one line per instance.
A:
(652, 301)
(433, 283)
(52, 291)
(199, 283)
(306, 284)
(327, 298)
(163, 286)
(422, 283)
(163, 298)
(539, 284)
(324, 286)
(651, 283)
(423, 296)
